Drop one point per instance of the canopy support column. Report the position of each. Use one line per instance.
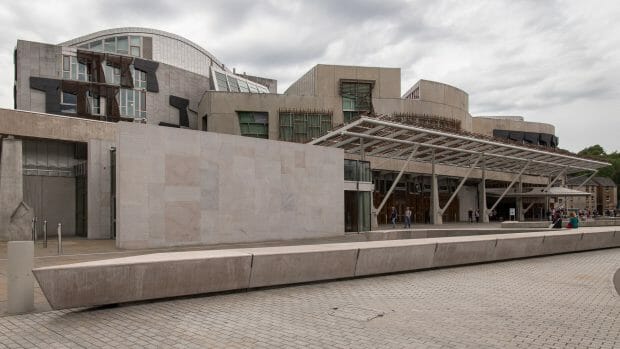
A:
(435, 210)
(519, 200)
(471, 168)
(482, 194)
(510, 186)
(400, 174)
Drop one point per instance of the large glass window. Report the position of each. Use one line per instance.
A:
(139, 78)
(220, 78)
(254, 124)
(301, 127)
(223, 81)
(124, 45)
(132, 103)
(112, 74)
(72, 69)
(355, 170)
(94, 103)
(68, 103)
(356, 99)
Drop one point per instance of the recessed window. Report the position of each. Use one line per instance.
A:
(254, 124)
(94, 103)
(302, 127)
(68, 103)
(112, 74)
(72, 69)
(124, 45)
(132, 103)
(139, 78)
(356, 99)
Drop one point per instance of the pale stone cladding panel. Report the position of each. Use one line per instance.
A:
(176, 82)
(183, 187)
(34, 59)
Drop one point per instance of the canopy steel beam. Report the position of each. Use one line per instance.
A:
(387, 139)
(587, 179)
(400, 174)
(562, 173)
(471, 168)
(517, 176)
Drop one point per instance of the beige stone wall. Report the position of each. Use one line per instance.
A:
(182, 187)
(35, 59)
(486, 125)
(324, 80)
(40, 125)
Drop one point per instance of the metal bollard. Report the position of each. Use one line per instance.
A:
(34, 229)
(45, 233)
(59, 231)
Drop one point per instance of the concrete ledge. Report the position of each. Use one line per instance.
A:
(519, 246)
(463, 250)
(394, 256)
(294, 264)
(143, 277)
(163, 275)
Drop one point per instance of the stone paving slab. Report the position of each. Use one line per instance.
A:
(563, 301)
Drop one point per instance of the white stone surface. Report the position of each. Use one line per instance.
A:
(181, 187)
(20, 282)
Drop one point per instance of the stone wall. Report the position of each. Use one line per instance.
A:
(182, 187)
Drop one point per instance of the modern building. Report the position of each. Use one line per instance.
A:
(111, 128)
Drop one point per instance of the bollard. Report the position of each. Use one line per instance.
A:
(20, 281)
(59, 231)
(45, 233)
(34, 228)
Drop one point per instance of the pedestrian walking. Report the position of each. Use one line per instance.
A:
(393, 216)
(407, 218)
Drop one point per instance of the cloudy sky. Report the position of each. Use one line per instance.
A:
(549, 61)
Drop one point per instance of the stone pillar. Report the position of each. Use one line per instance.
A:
(435, 213)
(20, 282)
(520, 214)
(98, 189)
(482, 196)
(11, 182)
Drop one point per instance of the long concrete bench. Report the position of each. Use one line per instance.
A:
(546, 224)
(162, 275)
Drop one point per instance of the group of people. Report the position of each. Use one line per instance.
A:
(394, 217)
(473, 215)
(556, 220)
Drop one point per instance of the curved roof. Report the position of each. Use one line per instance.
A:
(139, 30)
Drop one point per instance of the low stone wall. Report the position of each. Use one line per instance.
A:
(163, 275)
(546, 224)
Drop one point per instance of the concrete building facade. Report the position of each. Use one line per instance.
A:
(98, 124)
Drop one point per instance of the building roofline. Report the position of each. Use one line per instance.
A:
(139, 30)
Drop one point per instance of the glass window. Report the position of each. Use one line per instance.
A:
(66, 67)
(136, 41)
(94, 103)
(254, 124)
(132, 103)
(96, 45)
(356, 99)
(302, 127)
(68, 103)
(110, 45)
(253, 88)
(139, 78)
(112, 74)
(234, 85)
(72, 69)
(122, 45)
(243, 86)
(220, 78)
(135, 51)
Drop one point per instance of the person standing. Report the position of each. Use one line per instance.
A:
(477, 213)
(407, 218)
(393, 216)
(470, 215)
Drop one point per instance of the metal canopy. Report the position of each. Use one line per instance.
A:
(539, 192)
(388, 139)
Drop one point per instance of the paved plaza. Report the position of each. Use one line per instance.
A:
(563, 301)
